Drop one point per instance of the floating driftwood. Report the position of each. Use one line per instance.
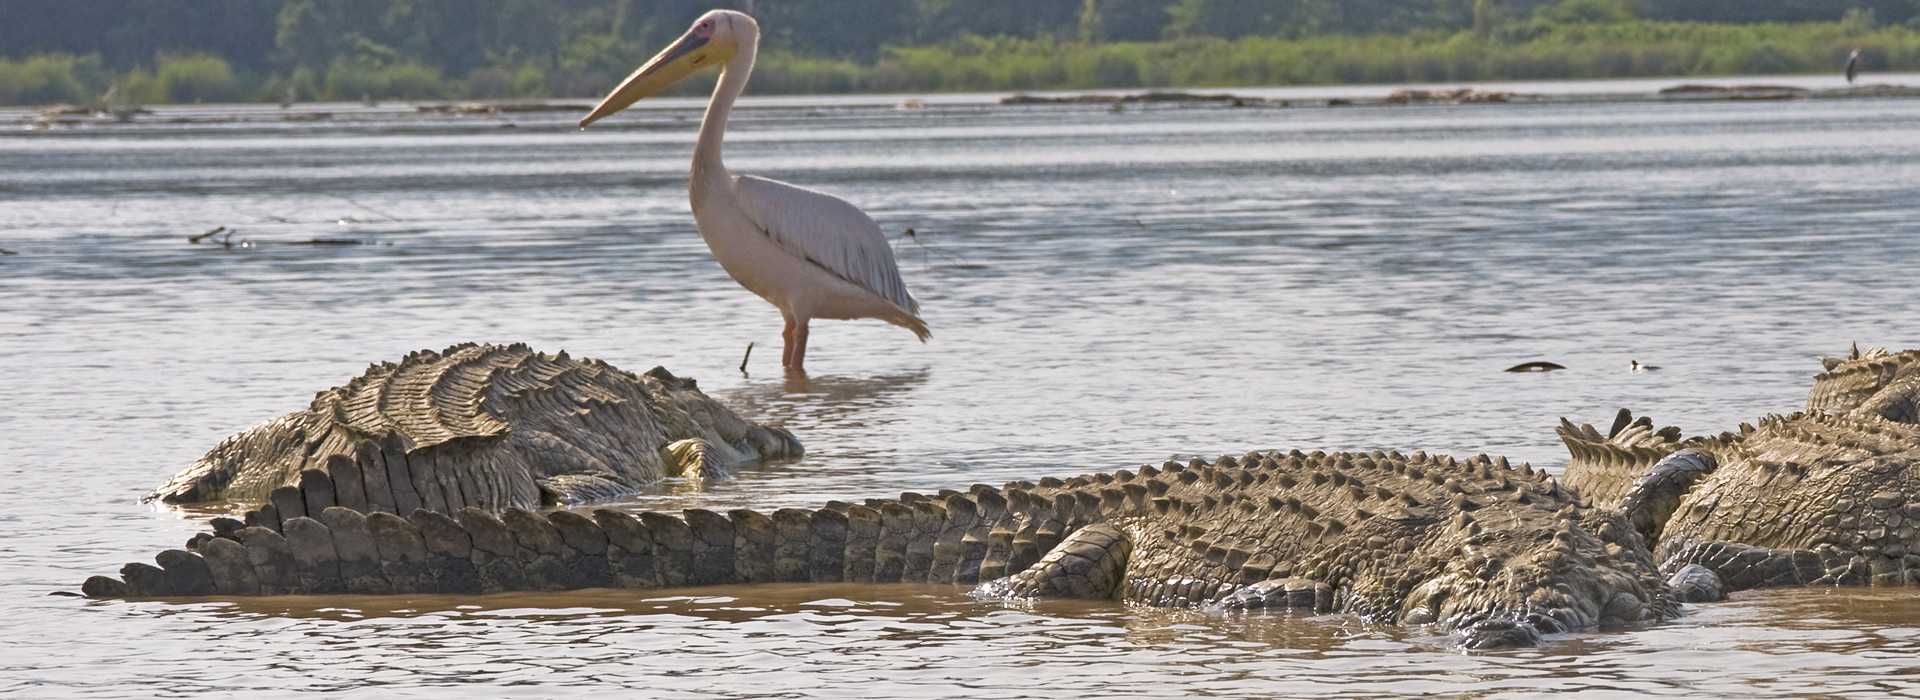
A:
(485, 108)
(65, 110)
(1875, 90)
(226, 241)
(1144, 98)
(1405, 96)
(1537, 366)
(71, 114)
(911, 235)
(1475, 96)
(1784, 92)
(1697, 89)
(1459, 96)
(215, 231)
(1737, 92)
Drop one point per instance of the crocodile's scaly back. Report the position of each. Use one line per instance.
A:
(1813, 498)
(1830, 496)
(1477, 546)
(1604, 468)
(490, 426)
(1853, 381)
(1495, 553)
(1415, 539)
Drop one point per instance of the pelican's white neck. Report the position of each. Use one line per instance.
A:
(707, 163)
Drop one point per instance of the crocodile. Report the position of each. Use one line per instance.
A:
(1823, 496)
(1493, 554)
(489, 426)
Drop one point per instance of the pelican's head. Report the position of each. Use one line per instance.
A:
(712, 40)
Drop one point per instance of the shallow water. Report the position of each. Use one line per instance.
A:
(1105, 289)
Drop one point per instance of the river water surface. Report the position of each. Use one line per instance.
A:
(1105, 289)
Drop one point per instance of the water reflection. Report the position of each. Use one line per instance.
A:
(834, 639)
(827, 400)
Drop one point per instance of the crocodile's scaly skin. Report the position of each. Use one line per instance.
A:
(1852, 381)
(1496, 553)
(1811, 498)
(1829, 496)
(1603, 468)
(490, 426)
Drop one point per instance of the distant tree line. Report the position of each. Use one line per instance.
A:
(173, 50)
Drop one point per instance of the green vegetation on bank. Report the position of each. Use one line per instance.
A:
(1638, 49)
(439, 49)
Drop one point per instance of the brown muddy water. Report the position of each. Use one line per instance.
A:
(1105, 289)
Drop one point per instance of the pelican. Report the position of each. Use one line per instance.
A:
(1853, 66)
(811, 254)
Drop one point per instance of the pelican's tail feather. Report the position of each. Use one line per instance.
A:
(909, 321)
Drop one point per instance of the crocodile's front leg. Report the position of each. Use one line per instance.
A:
(696, 460)
(1091, 564)
(1738, 567)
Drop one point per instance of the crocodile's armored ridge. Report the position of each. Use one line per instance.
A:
(1825, 496)
(489, 426)
(1495, 553)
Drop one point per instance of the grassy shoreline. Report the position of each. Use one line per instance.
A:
(1520, 51)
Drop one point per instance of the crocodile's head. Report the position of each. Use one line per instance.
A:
(726, 439)
(245, 467)
(1504, 588)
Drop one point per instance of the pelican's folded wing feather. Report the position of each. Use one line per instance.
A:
(827, 231)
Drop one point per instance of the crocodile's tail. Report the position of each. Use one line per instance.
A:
(952, 537)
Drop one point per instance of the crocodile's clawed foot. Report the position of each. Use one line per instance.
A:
(1089, 564)
(1280, 594)
(1694, 583)
(695, 459)
(579, 489)
(1498, 634)
(1738, 567)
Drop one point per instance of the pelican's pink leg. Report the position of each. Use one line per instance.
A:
(786, 344)
(800, 346)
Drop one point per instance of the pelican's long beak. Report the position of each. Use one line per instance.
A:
(674, 64)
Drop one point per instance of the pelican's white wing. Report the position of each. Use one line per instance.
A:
(827, 231)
